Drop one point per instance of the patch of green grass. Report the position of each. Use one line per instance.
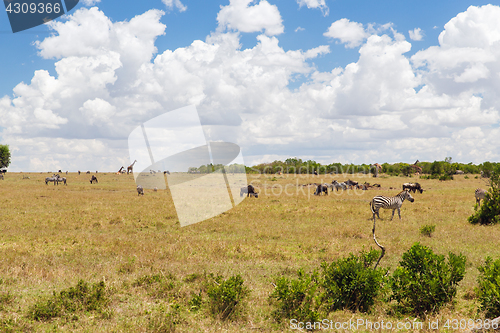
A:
(82, 297)
(427, 230)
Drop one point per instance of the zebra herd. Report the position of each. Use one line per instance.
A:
(56, 179)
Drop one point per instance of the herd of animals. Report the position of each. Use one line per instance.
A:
(379, 201)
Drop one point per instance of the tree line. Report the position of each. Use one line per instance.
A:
(298, 166)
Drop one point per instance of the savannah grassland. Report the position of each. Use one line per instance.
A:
(53, 236)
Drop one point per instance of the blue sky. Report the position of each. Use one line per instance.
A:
(334, 81)
(199, 19)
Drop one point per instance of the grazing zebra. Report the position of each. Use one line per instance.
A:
(480, 195)
(140, 190)
(393, 203)
(51, 179)
(60, 179)
(338, 185)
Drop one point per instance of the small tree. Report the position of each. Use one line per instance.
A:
(488, 290)
(4, 156)
(424, 282)
(489, 213)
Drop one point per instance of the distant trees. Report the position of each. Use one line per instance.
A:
(4, 156)
(209, 168)
(443, 170)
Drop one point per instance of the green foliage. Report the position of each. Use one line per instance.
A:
(226, 296)
(4, 156)
(489, 213)
(443, 170)
(297, 298)
(425, 282)
(427, 230)
(195, 302)
(488, 290)
(351, 283)
(83, 297)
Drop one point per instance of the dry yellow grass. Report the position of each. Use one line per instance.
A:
(52, 236)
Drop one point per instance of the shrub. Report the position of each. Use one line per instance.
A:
(489, 212)
(351, 283)
(297, 298)
(83, 297)
(488, 291)
(424, 282)
(226, 296)
(427, 230)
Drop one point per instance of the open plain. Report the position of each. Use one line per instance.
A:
(53, 236)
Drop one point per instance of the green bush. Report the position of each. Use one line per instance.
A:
(427, 230)
(350, 283)
(488, 291)
(83, 297)
(425, 282)
(489, 212)
(297, 298)
(226, 296)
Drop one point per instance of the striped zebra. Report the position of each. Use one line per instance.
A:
(393, 203)
(480, 195)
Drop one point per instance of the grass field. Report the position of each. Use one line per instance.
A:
(53, 236)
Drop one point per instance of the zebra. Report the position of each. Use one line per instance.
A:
(390, 203)
(60, 179)
(480, 194)
(338, 185)
(51, 179)
(140, 190)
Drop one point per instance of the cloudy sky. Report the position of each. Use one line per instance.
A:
(334, 81)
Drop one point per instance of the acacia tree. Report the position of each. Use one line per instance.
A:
(489, 213)
(4, 156)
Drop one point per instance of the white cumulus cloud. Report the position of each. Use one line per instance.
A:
(350, 33)
(171, 4)
(241, 15)
(416, 34)
(315, 4)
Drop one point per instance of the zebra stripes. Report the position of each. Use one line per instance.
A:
(393, 203)
(480, 195)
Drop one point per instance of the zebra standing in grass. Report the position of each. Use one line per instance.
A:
(480, 195)
(393, 203)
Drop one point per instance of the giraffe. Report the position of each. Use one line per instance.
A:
(120, 171)
(130, 168)
(416, 168)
